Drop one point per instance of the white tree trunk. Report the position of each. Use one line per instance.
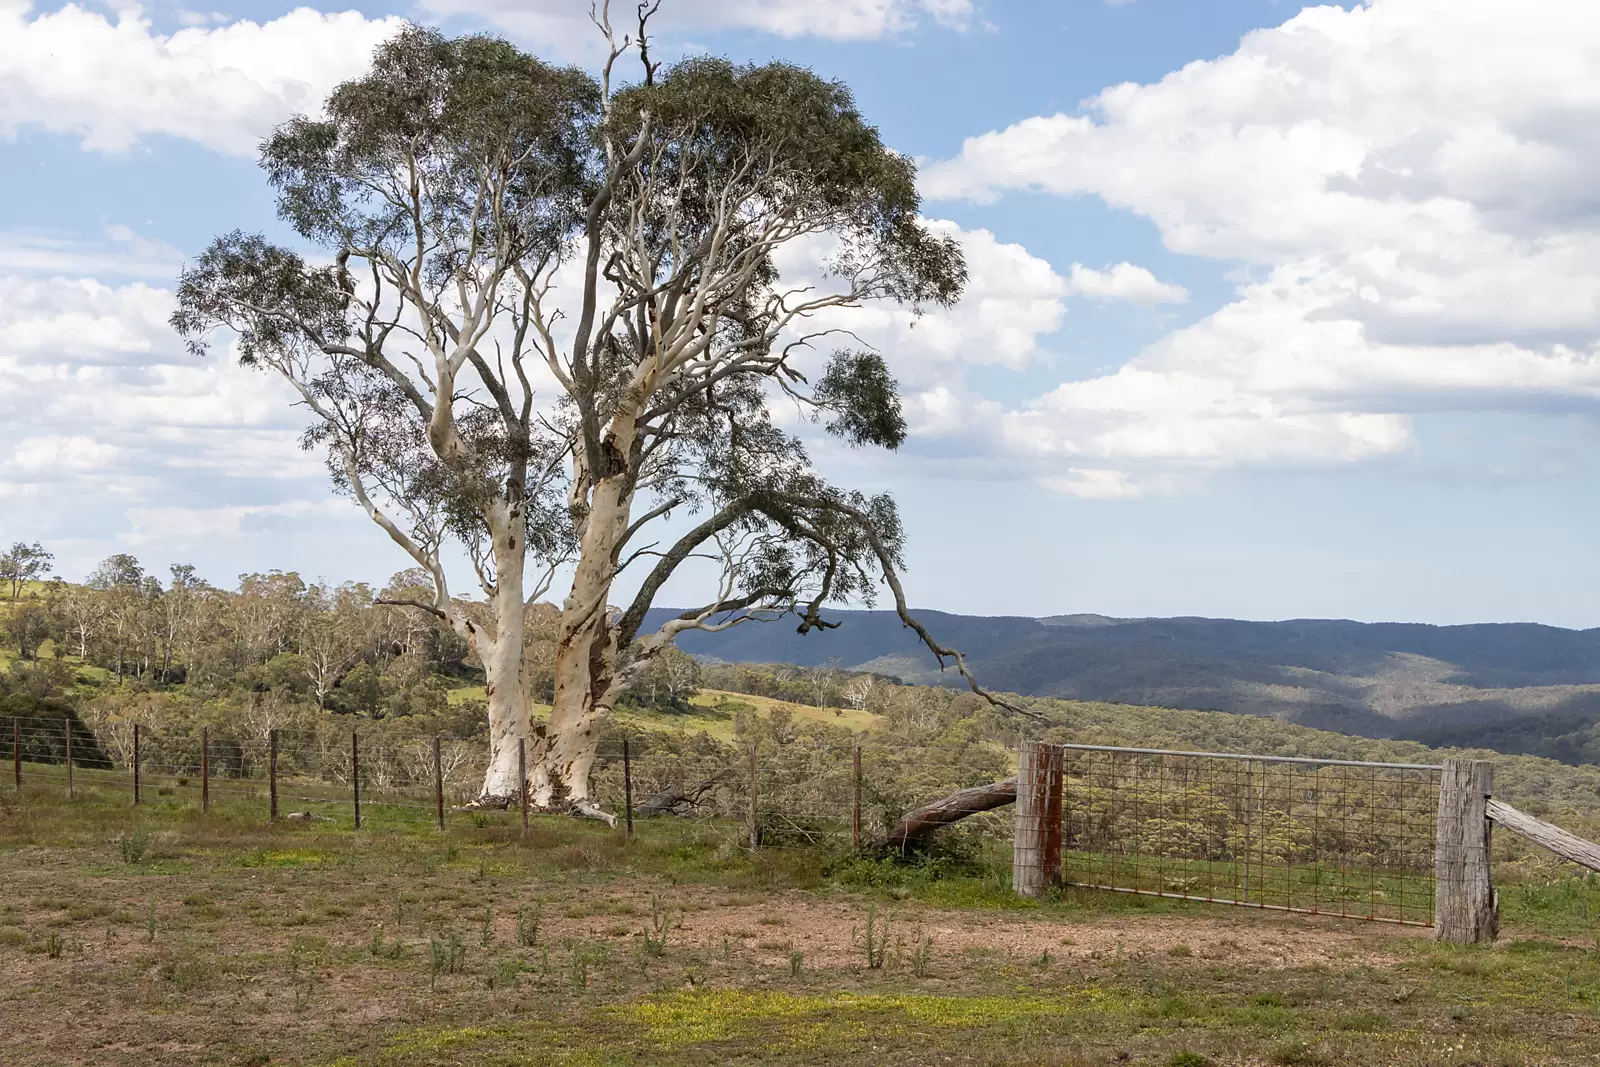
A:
(586, 681)
(504, 663)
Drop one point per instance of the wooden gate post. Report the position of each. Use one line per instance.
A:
(1466, 909)
(1036, 848)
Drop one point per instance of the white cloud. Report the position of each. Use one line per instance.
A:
(565, 26)
(1124, 281)
(127, 254)
(52, 453)
(1409, 183)
(97, 395)
(115, 83)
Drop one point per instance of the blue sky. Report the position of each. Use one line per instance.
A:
(1276, 312)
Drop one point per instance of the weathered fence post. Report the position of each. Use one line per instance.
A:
(1465, 909)
(355, 776)
(68, 724)
(438, 783)
(272, 772)
(16, 751)
(1036, 848)
(522, 782)
(855, 799)
(627, 785)
(136, 763)
(755, 815)
(205, 770)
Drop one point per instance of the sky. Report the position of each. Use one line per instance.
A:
(1274, 312)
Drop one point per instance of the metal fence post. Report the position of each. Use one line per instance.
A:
(272, 771)
(136, 763)
(438, 783)
(205, 769)
(355, 775)
(1036, 849)
(627, 785)
(755, 814)
(1466, 909)
(68, 724)
(522, 781)
(16, 750)
(855, 789)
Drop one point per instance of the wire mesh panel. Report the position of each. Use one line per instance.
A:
(1326, 837)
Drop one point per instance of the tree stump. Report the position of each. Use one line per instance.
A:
(1465, 909)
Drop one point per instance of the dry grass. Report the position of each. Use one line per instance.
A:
(230, 942)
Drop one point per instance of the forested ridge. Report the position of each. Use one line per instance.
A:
(279, 652)
(1513, 687)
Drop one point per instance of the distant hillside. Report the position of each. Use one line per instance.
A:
(1514, 687)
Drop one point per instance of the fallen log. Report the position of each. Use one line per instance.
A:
(1568, 846)
(920, 822)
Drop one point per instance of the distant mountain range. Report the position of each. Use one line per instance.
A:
(1516, 687)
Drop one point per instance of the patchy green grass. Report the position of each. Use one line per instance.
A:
(230, 941)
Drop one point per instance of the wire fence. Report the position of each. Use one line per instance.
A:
(807, 795)
(1327, 837)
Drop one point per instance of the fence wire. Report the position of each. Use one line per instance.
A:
(1331, 838)
(1322, 837)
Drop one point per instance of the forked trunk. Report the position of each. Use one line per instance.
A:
(586, 680)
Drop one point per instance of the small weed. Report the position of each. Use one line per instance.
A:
(503, 974)
(386, 950)
(150, 920)
(578, 967)
(528, 924)
(446, 955)
(1187, 1058)
(1298, 1053)
(875, 940)
(487, 933)
(134, 844)
(1181, 951)
(54, 946)
(921, 957)
(796, 959)
(655, 934)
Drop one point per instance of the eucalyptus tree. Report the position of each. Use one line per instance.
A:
(548, 326)
(22, 564)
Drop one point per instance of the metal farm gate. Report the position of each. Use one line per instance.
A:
(1322, 837)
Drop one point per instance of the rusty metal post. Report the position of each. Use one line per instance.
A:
(205, 769)
(627, 785)
(438, 783)
(755, 815)
(355, 775)
(522, 781)
(272, 771)
(855, 807)
(136, 763)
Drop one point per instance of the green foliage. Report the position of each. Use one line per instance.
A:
(447, 954)
(528, 917)
(875, 938)
(134, 844)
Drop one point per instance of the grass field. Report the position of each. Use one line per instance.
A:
(158, 935)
